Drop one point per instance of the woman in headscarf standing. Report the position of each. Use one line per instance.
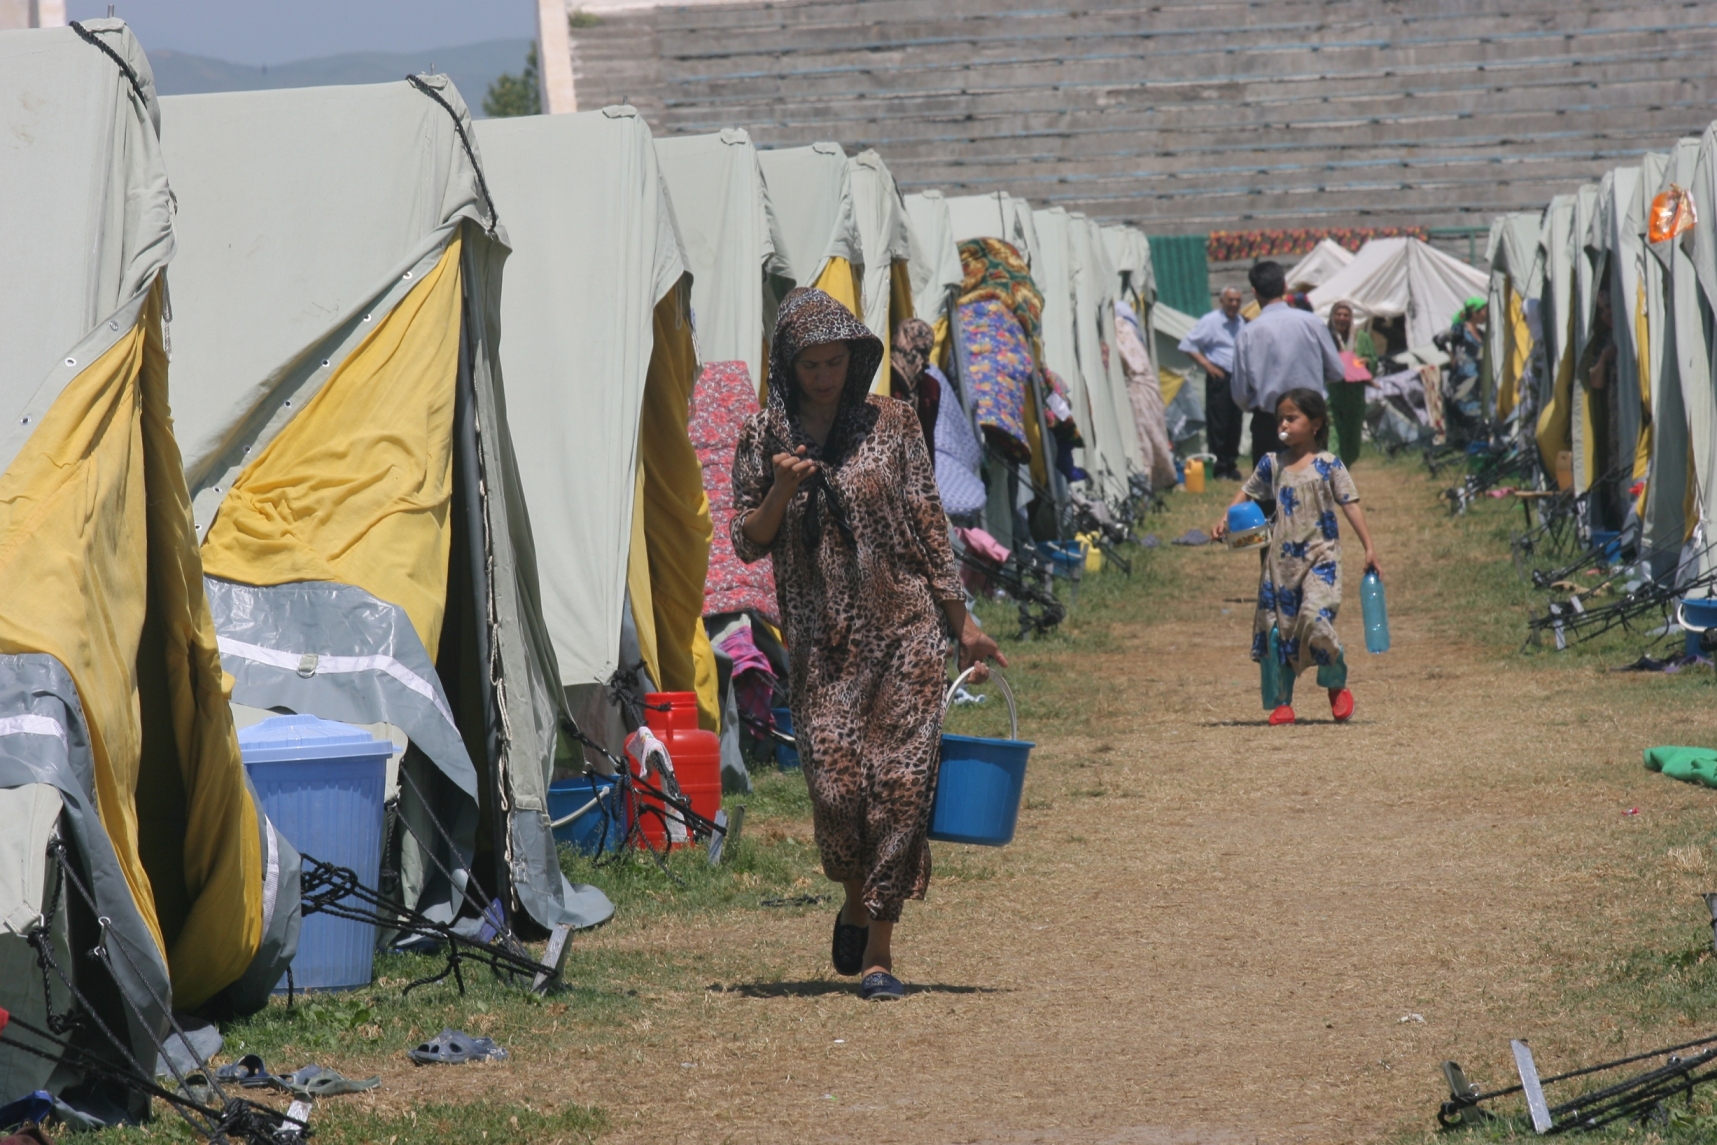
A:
(1347, 397)
(837, 486)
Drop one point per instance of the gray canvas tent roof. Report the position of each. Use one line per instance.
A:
(316, 237)
(1129, 251)
(885, 238)
(936, 259)
(113, 683)
(1323, 262)
(1684, 409)
(732, 242)
(1402, 276)
(811, 191)
(597, 250)
(997, 215)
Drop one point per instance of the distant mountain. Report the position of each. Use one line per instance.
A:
(472, 67)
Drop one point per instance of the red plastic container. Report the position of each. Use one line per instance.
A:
(696, 755)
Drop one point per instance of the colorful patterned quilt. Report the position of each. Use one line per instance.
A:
(725, 396)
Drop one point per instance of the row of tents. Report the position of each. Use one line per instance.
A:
(1601, 349)
(337, 401)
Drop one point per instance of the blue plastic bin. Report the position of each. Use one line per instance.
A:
(1695, 615)
(979, 783)
(596, 830)
(786, 754)
(1609, 542)
(322, 784)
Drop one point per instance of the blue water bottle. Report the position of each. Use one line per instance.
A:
(1376, 612)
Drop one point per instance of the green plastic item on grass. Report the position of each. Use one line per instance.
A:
(1688, 764)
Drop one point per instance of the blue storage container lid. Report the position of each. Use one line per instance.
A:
(286, 739)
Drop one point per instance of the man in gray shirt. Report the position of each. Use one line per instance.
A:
(1280, 350)
(1210, 343)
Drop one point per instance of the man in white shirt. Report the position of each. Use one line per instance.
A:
(1210, 343)
(1280, 350)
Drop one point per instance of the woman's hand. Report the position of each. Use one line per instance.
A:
(791, 470)
(1220, 529)
(1371, 565)
(976, 646)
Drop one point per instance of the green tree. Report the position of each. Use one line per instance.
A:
(515, 94)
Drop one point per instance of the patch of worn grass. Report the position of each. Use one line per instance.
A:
(440, 1123)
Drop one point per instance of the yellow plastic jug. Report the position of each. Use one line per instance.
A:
(1195, 476)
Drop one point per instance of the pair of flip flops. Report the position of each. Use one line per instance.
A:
(451, 1047)
(312, 1081)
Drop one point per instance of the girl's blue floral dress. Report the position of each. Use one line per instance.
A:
(1299, 589)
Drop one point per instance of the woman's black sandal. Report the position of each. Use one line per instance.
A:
(847, 949)
(881, 986)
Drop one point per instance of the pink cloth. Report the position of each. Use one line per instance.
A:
(724, 397)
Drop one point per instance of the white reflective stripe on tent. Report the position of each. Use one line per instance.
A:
(596, 251)
(811, 191)
(1322, 263)
(885, 236)
(1396, 276)
(936, 258)
(731, 238)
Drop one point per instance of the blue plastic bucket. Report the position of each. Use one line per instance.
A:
(322, 784)
(586, 813)
(786, 754)
(1609, 543)
(1695, 616)
(979, 783)
(1066, 557)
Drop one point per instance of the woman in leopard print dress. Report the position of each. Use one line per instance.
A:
(836, 485)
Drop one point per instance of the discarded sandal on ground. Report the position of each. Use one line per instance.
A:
(846, 950)
(249, 1072)
(319, 1081)
(1282, 717)
(1341, 704)
(450, 1047)
(881, 986)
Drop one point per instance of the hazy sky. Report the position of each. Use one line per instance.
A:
(276, 31)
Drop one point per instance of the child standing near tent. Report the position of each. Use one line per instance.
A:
(1299, 588)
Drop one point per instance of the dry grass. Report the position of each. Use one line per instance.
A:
(1208, 930)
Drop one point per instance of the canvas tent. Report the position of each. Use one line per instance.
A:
(1392, 277)
(1684, 447)
(336, 302)
(886, 242)
(733, 243)
(1130, 253)
(811, 190)
(599, 348)
(1610, 421)
(996, 215)
(114, 734)
(1322, 263)
(1516, 278)
(936, 255)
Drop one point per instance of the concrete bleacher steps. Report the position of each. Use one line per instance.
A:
(1188, 117)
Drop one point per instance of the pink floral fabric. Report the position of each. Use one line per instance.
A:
(723, 399)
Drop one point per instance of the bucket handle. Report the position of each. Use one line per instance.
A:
(1682, 620)
(1013, 710)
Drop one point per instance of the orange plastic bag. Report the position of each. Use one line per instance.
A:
(1672, 214)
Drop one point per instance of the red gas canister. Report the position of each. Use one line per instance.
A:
(673, 716)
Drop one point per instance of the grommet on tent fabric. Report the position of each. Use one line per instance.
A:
(113, 325)
(25, 420)
(326, 362)
(367, 317)
(408, 276)
(71, 361)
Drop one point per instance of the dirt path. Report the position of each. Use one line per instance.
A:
(1209, 930)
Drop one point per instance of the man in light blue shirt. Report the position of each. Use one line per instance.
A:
(1210, 343)
(1282, 349)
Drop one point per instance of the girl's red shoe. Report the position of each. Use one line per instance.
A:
(1282, 716)
(1341, 704)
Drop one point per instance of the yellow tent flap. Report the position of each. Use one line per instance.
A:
(98, 555)
(676, 521)
(357, 488)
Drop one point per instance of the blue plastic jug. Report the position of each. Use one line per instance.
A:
(1376, 613)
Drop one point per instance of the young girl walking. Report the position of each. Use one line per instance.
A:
(1299, 588)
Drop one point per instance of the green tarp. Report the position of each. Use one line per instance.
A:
(1183, 274)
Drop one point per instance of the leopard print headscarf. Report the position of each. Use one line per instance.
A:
(809, 317)
(913, 341)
